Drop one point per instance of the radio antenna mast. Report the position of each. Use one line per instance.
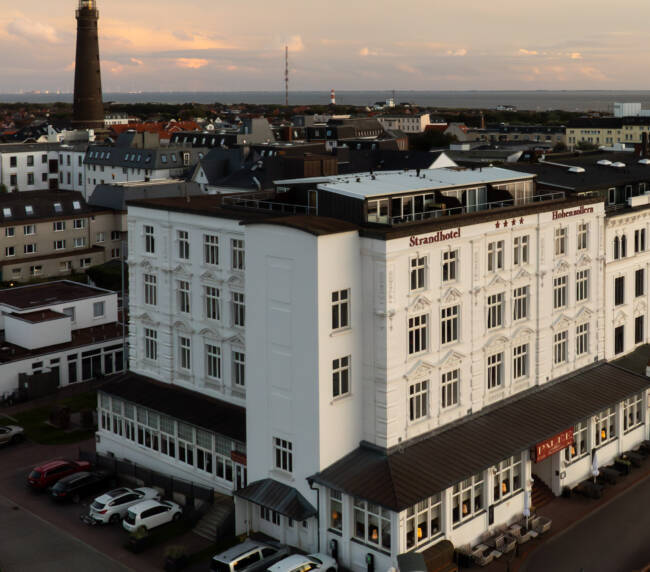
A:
(286, 75)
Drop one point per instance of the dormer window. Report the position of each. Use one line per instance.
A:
(6, 211)
(163, 158)
(147, 159)
(76, 205)
(57, 207)
(29, 210)
(139, 157)
(108, 154)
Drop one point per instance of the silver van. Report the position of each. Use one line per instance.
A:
(249, 556)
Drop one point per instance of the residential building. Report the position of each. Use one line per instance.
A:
(54, 233)
(412, 123)
(57, 334)
(606, 131)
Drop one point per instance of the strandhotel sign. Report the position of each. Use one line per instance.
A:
(574, 212)
(439, 236)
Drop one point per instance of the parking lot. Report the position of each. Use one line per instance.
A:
(15, 462)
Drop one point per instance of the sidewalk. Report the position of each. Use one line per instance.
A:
(568, 512)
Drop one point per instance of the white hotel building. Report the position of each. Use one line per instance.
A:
(392, 339)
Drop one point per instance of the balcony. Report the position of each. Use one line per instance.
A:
(266, 202)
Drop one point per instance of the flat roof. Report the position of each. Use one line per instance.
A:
(427, 465)
(48, 293)
(38, 316)
(381, 183)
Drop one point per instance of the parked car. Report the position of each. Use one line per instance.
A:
(112, 506)
(300, 563)
(78, 485)
(11, 434)
(47, 474)
(149, 514)
(249, 556)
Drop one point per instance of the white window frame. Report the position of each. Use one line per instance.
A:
(417, 273)
(467, 499)
(520, 303)
(561, 347)
(560, 291)
(582, 285)
(211, 249)
(183, 237)
(495, 304)
(507, 478)
(151, 289)
(520, 250)
(238, 309)
(341, 376)
(238, 254)
(560, 241)
(450, 324)
(583, 236)
(633, 412)
(341, 309)
(580, 446)
(520, 362)
(212, 303)
(238, 369)
(150, 344)
(418, 400)
(450, 265)
(283, 455)
(184, 296)
(606, 421)
(450, 389)
(184, 353)
(582, 339)
(213, 361)
(149, 239)
(495, 370)
(418, 334)
(495, 255)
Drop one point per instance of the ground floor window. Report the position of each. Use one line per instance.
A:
(423, 521)
(185, 444)
(371, 523)
(606, 426)
(507, 478)
(633, 412)
(336, 510)
(580, 446)
(269, 515)
(204, 451)
(467, 498)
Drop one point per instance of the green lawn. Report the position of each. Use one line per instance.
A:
(35, 421)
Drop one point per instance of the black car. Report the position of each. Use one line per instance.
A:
(78, 485)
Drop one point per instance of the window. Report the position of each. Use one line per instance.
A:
(115, 252)
(336, 510)
(30, 181)
(184, 296)
(79, 241)
(13, 180)
(237, 249)
(605, 426)
(582, 339)
(467, 498)
(213, 361)
(418, 267)
(58, 226)
(10, 230)
(283, 453)
(423, 521)
(639, 282)
(619, 339)
(520, 362)
(13, 161)
(150, 344)
(238, 309)
(579, 447)
(340, 309)
(639, 240)
(185, 353)
(495, 310)
(559, 292)
(449, 265)
(100, 237)
(639, 330)
(583, 236)
(115, 235)
(211, 249)
(619, 290)
(70, 312)
(183, 244)
(495, 370)
(633, 412)
(520, 303)
(79, 223)
(341, 376)
(98, 309)
(623, 246)
(560, 241)
(495, 256)
(617, 248)
(449, 323)
(238, 369)
(418, 400)
(582, 285)
(418, 334)
(449, 388)
(29, 229)
(150, 289)
(507, 478)
(29, 248)
(520, 251)
(59, 244)
(212, 303)
(149, 239)
(560, 346)
(10, 251)
(35, 270)
(371, 523)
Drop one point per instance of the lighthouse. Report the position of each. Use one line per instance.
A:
(88, 110)
(332, 98)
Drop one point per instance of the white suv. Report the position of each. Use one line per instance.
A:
(149, 514)
(112, 506)
(300, 563)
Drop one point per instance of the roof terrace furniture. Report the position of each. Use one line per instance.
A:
(589, 489)
(520, 532)
(541, 524)
(501, 541)
(607, 476)
(635, 458)
(483, 554)
(623, 466)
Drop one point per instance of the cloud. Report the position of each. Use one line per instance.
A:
(526, 52)
(191, 63)
(575, 55)
(30, 30)
(137, 62)
(295, 44)
(593, 73)
(407, 69)
(365, 52)
(458, 52)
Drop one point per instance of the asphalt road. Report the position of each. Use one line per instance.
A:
(30, 543)
(615, 538)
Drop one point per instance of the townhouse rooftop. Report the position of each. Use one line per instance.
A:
(47, 294)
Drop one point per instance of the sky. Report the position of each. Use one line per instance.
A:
(226, 45)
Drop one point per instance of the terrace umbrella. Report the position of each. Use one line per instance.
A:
(527, 506)
(594, 466)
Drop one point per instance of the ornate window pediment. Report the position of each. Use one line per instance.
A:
(420, 304)
(209, 332)
(496, 343)
(561, 322)
(451, 295)
(182, 326)
(584, 314)
(180, 269)
(146, 265)
(562, 266)
(496, 283)
(522, 334)
(451, 360)
(237, 339)
(522, 275)
(207, 275)
(620, 318)
(640, 308)
(584, 260)
(235, 281)
(420, 369)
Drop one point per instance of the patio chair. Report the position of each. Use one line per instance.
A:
(542, 524)
(635, 458)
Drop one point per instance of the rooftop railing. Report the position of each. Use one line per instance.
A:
(264, 205)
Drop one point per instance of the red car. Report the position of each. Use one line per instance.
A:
(49, 473)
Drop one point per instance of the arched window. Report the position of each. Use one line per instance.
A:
(623, 246)
(616, 248)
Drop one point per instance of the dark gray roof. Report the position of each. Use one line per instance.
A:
(41, 147)
(115, 196)
(188, 406)
(149, 158)
(417, 470)
(637, 360)
(48, 293)
(44, 205)
(279, 497)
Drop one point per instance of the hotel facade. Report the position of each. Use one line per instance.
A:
(392, 340)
